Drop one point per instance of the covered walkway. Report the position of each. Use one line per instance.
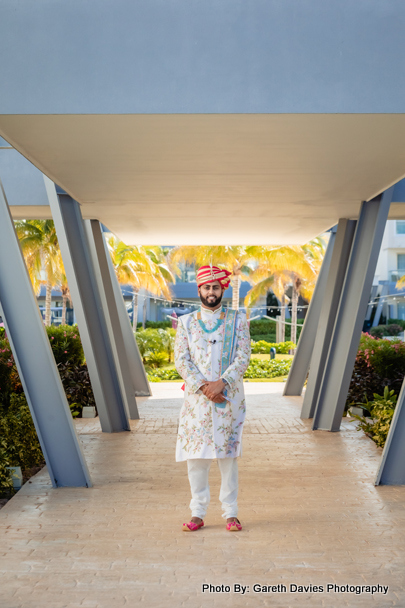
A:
(310, 511)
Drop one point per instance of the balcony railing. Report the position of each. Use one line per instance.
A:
(395, 275)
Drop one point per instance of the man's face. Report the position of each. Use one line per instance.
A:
(211, 294)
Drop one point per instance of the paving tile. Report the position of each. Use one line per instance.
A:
(310, 512)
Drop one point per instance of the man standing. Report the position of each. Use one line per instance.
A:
(212, 352)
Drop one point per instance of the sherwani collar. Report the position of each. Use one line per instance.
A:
(211, 313)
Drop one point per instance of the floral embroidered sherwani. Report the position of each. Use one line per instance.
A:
(206, 430)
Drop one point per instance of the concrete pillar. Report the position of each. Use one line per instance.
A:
(91, 316)
(101, 264)
(327, 315)
(392, 467)
(351, 312)
(300, 365)
(36, 364)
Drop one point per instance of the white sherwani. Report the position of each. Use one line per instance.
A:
(205, 430)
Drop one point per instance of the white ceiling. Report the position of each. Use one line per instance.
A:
(209, 179)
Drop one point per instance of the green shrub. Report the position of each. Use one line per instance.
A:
(168, 338)
(268, 369)
(394, 329)
(381, 410)
(159, 375)
(6, 481)
(263, 347)
(264, 337)
(77, 385)
(400, 322)
(18, 434)
(156, 359)
(379, 331)
(148, 340)
(379, 363)
(262, 326)
(155, 325)
(66, 344)
(155, 340)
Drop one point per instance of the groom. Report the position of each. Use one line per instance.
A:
(212, 352)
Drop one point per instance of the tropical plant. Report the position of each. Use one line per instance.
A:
(278, 267)
(39, 245)
(148, 340)
(141, 267)
(159, 375)
(381, 410)
(379, 363)
(64, 287)
(168, 337)
(154, 359)
(237, 259)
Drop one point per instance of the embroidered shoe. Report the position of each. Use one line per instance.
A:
(234, 526)
(192, 526)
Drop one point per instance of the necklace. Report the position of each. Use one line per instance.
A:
(217, 324)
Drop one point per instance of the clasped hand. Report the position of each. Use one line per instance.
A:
(213, 391)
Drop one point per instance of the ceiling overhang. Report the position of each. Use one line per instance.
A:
(215, 178)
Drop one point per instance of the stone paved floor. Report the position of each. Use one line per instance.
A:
(310, 514)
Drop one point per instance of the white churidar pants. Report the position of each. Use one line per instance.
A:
(198, 470)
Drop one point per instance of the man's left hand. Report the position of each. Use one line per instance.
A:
(212, 389)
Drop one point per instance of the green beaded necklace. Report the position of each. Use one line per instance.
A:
(217, 324)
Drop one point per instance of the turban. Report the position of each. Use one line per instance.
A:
(208, 274)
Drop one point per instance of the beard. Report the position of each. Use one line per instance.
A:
(211, 303)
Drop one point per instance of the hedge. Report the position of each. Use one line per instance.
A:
(256, 369)
(268, 369)
(19, 445)
(262, 347)
(68, 352)
(379, 363)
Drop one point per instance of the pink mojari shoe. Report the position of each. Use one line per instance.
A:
(192, 526)
(234, 526)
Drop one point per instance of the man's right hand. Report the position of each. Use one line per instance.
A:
(217, 399)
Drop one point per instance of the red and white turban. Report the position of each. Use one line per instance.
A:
(208, 274)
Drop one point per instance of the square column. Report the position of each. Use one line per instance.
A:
(101, 258)
(88, 303)
(140, 380)
(392, 467)
(330, 305)
(351, 312)
(36, 364)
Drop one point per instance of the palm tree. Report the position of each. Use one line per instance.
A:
(283, 265)
(237, 259)
(39, 245)
(64, 287)
(141, 267)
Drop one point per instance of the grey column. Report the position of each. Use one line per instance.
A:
(73, 243)
(140, 381)
(100, 258)
(351, 312)
(36, 364)
(327, 316)
(300, 364)
(392, 467)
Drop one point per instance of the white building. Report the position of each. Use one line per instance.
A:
(390, 267)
